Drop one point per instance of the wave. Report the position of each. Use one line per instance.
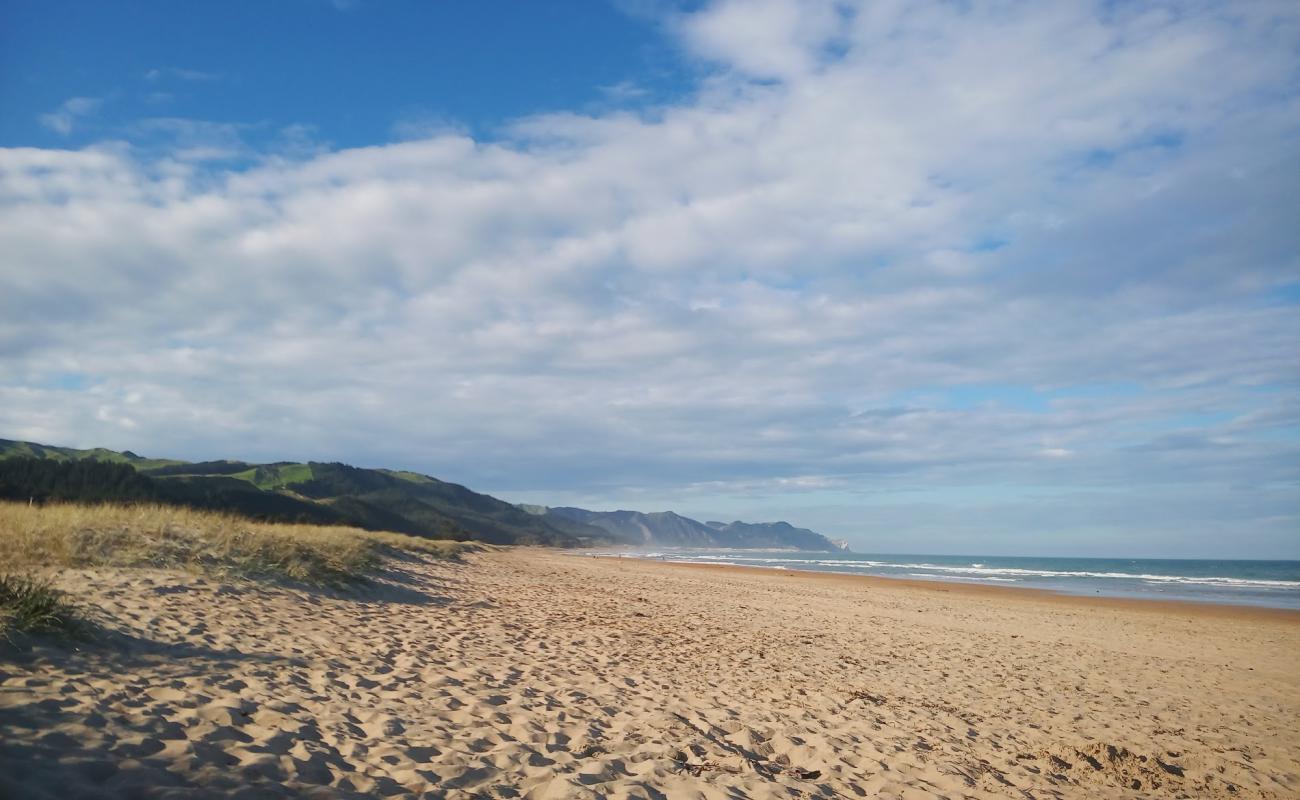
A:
(978, 571)
(797, 561)
(931, 575)
(1206, 580)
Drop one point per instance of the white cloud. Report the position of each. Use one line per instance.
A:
(767, 38)
(741, 290)
(181, 74)
(63, 119)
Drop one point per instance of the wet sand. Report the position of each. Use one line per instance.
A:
(529, 673)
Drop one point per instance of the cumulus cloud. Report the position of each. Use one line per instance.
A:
(781, 285)
(769, 38)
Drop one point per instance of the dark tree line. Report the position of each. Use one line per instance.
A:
(90, 481)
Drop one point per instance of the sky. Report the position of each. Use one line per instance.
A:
(934, 277)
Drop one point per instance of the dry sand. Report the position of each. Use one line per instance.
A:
(539, 674)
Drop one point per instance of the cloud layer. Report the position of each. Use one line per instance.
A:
(878, 253)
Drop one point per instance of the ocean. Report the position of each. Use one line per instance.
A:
(1258, 583)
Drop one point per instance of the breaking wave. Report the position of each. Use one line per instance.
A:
(978, 570)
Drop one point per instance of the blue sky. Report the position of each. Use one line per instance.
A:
(995, 278)
(357, 74)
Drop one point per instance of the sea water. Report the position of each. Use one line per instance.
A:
(1261, 583)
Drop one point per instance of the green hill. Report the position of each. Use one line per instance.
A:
(373, 499)
(12, 449)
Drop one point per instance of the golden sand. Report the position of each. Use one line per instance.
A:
(528, 673)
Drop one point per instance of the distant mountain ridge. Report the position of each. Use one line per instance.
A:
(374, 499)
(668, 529)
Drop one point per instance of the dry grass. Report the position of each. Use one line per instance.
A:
(69, 535)
(31, 605)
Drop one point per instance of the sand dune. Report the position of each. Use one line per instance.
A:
(543, 675)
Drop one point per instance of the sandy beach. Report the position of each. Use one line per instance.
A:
(539, 674)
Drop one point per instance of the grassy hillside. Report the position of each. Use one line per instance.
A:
(14, 449)
(316, 493)
(275, 476)
(372, 499)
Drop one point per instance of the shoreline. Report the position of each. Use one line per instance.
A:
(1205, 608)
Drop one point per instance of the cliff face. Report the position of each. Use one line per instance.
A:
(636, 527)
(668, 529)
(770, 534)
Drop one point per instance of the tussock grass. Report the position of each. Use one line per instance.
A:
(31, 605)
(436, 548)
(169, 537)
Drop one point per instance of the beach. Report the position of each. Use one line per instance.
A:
(542, 674)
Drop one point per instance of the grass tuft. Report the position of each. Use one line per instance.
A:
(169, 537)
(31, 605)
